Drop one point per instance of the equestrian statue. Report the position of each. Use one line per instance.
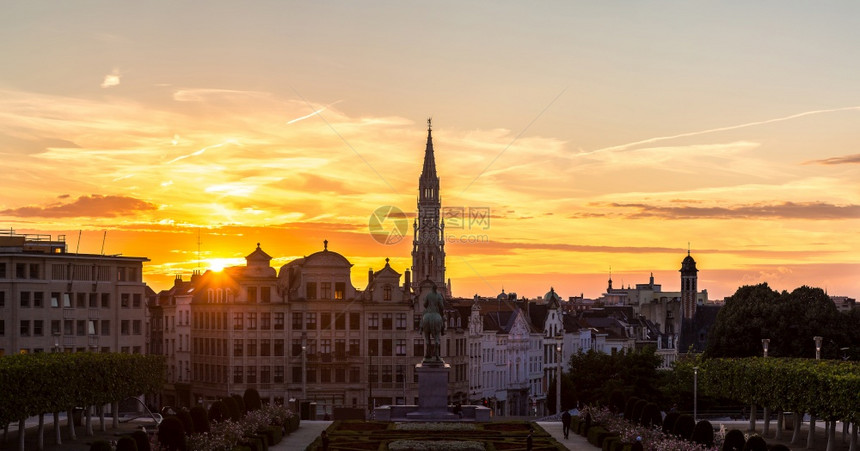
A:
(433, 326)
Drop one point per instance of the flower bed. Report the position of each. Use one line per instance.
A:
(652, 438)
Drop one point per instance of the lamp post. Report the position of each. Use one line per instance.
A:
(304, 366)
(370, 381)
(765, 343)
(558, 376)
(818, 340)
(695, 393)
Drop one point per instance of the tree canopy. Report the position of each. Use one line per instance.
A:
(595, 375)
(789, 320)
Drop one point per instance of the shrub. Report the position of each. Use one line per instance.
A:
(142, 440)
(628, 408)
(171, 435)
(669, 422)
(126, 443)
(216, 412)
(231, 408)
(651, 415)
(684, 426)
(703, 433)
(187, 421)
(734, 441)
(100, 445)
(755, 443)
(252, 400)
(240, 404)
(637, 411)
(616, 401)
(200, 419)
(597, 434)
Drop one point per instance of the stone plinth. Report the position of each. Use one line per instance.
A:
(432, 392)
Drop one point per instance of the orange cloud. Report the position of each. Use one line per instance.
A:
(96, 206)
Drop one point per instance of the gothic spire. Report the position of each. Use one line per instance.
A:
(429, 169)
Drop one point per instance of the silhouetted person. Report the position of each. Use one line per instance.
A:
(565, 423)
(458, 409)
(529, 443)
(324, 440)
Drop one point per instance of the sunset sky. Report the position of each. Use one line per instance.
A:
(596, 134)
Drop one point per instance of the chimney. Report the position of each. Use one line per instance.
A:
(407, 280)
(369, 277)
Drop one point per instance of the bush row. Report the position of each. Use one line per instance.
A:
(54, 382)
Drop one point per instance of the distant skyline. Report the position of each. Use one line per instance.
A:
(596, 135)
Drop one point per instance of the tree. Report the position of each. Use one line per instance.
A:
(596, 376)
(789, 320)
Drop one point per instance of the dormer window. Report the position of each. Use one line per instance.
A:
(386, 293)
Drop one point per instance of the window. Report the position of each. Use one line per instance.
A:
(237, 348)
(265, 374)
(279, 374)
(325, 290)
(400, 347)
(81, 300)
(2, 329)
(386, 347)
(135, 327)
(124, 300)
(373, 321)
(38, 299)
(34, 270)
(237, 321)
(386, 293)
(237, 374)
(387, 323)
(354, 375)
(251, 375)
(400, 375)
(56, 327)
(386, 373)
(92, 327)
(297, 321)
(339, 290)
(265, 294)
(325, 346)
(2, 298)
(325, 319)
(252, 294)
(25, 299)
(279, 347)
(325, 375)
(340, 375)
(400, 322)
(25, 328)
(252, 321)
(266, 320)
(252, 347)
(372, 347)
(279, 321)
(297, 374)
(105, 300)
(354, 347)
(94, 300)
(312, 375)
(311, 321)
(311, 289)
(296, 347)
(2, 270)
(68, 327)
(135, 300)
(265, 347)
(105, 327)
(20, 271)
(418, 347)
(340, 321)
(340, 348)
(37, 328)
(354, 321)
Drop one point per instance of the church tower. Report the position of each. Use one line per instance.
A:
(428, 245)
(689, 286)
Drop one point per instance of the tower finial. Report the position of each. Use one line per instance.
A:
(325, 245)
(688, 248)
(429, 125)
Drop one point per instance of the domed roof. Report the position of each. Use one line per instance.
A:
(551, 297)
(326, 257)
(688, 264)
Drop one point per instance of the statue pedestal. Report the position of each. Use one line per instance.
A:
(432, 392)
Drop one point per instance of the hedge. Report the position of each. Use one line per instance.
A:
(54, 382)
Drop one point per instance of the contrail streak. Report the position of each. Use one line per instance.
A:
(200, 152)
(313, 114)
(720, 129)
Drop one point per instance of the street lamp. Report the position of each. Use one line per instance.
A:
(558, 376)
(818, 340)
(765, 342)
(695, 393)
(304, 366)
